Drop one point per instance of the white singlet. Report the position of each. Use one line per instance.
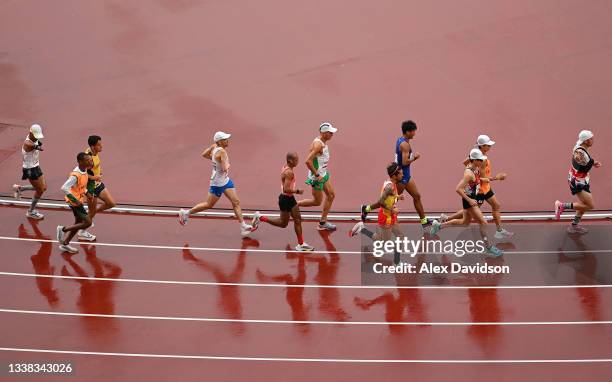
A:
(218, 177)
(30, 158)
(320, 161)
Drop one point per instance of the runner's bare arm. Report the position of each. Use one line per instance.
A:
(287, 180)
(28, 146)
(315, 149)
(405, 148)
(467, 177)
(208, 152)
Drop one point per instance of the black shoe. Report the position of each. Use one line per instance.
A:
(364, 212)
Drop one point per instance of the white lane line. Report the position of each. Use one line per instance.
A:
(212, 283)
(213, 249)
(320, 360)
(254, 321)
(508, 216)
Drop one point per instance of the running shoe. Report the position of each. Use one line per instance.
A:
(85, 235)
(256, 220)
(59, 233)
(443, 218)
(494, 252)
(575, 228)
(34, 214)
(17, 191)
(183, 215)
(558, 209)
(69, 249)
(327, 226)
(436, 226)
(503, 234)
(364, 212)
(304, 247)
(356, 229)
(246, 229)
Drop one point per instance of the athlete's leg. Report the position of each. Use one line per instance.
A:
(495, 211)
(107, 199)
(463, 221)
(330, 195)
(232, 195)
(456, 215)
(297, 223)
(210, 202)
(482, 223)
(317, 199)
(281, 222)
(412, 189)
(79, 223)
(586, 203)
(40, 186)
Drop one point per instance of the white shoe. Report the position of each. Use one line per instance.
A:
(245, 230)
(183, 215)
(356, 229)
(304, 247)
(503, 234)
(327, 226)
(85, 235)
(69, 249)
(17, 191)
(59, 233)
(443, 218)
(255, 222)
(34, 214)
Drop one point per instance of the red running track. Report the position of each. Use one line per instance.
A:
(318, 309)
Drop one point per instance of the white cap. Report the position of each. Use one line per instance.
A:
(484, 140)
(220, 135)
(36, 130)
(476, 154)
(327, 127)
(584, 135)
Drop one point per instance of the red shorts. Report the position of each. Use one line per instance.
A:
(385, 220)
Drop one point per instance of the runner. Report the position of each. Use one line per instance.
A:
(76, 191)
(287, 204)
(468, 188)
(220, 183)
(579, 182)
(30, 150)
(388, 227)
(318, 176)
(484, 144)
(95, 186)
(404, 157)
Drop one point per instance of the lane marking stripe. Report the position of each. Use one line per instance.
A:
(212, 249)
(256, 321)
(212, 283)
(321, 360)
(508, 216)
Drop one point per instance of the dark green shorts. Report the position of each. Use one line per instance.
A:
(80, 213)
(318, 185)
